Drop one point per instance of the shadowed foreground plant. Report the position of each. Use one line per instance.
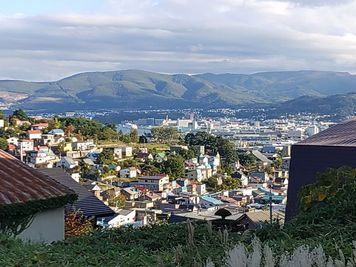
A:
(303, 256)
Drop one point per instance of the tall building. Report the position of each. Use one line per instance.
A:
(332, 148)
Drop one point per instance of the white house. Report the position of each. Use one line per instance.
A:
(123, 217)
(42, 156)
(13, 140)
(34, 134)
(127, 151)
(39, 126)
(118, 153)
(45, 224)
(154, 183)
(48, 139)
(67, 163)
(83, 145)
(57, 132)
(129, 172)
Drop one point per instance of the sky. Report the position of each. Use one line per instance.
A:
(50, 39)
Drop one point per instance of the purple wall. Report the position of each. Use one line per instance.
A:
(307, 161)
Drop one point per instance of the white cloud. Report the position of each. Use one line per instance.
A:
(181, 36)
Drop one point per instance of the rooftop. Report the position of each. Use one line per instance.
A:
(87, 202)
(342, 134)
(20, 183)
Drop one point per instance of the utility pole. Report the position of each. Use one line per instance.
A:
(270, 183)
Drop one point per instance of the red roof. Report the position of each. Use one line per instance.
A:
(40, 124)
(34, 131)
(20, 183)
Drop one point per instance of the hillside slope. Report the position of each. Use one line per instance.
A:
(142, 89)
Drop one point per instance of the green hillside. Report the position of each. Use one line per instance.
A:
(142, 89)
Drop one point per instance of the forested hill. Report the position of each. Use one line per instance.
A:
(142, 89)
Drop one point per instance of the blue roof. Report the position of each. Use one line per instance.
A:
(56, 131)
(274, 197)
(212, 200)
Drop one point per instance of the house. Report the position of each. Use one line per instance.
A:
(258, 176)
(41, 156)
(56, 132)
(160, 157)
(2, 123)
(201, 189)
(208, 201)
(131, 193)
(88, 162)
(48, 139)
(67, 163)
(38, 199)
(88, 204)
(194, 174)
(141, 156)
(129, 172)
(39, 126)
(13, 140)
(25, 146)
(241, 177)
(117, 153)
(34, 134)
(93, 156)
(83, 145)
(154, 183)
(126, 151)
(262, 158)
(121, 218)
(19, 123)
(206, 171)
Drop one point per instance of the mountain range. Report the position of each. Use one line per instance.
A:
(142, 89)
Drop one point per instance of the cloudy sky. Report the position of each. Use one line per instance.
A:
(50, 39)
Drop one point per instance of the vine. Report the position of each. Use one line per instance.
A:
(16, 217)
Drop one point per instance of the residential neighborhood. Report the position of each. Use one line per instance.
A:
(135, 184)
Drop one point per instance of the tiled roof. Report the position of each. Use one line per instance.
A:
(20, 183)
(87, 202)
(342, 134)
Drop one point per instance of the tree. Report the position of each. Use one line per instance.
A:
(279, 160)
(106, 156)
(76, 224)
(20, 114)
(150, 169)
(125, 138)
(134, 135)
(214, 144)
(247, 159)
(188, 154)
(107, 133)
(230, 183)
(165, 134)
(174, 166)
(118, 201)
(3, 143)
(212, 183)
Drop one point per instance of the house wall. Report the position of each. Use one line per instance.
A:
(309, 160)
(47, 226)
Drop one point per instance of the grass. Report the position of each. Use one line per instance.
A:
(150, 246)
(156, 146)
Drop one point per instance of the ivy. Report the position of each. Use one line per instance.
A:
(16, 217)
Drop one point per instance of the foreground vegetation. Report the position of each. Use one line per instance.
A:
(325, 227)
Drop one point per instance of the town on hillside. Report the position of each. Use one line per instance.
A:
(178, 172)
